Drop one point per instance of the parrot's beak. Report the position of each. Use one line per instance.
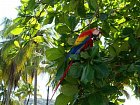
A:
(96, 34)
(99, 34)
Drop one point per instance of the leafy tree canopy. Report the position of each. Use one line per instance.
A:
(45, 30)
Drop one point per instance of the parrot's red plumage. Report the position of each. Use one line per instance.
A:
(84, 40)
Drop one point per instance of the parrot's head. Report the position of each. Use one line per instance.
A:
(96, 34)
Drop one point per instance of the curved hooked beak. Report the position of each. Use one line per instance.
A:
(96, 34)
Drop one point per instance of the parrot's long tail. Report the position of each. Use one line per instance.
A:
(63, 77)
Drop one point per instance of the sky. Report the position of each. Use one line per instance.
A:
(8, 9)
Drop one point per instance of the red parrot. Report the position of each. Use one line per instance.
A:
(84, 40)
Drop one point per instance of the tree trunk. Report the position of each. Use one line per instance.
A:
(28, 100)
(48, 89)
(47, 103)
(8, 93)
(35, 87)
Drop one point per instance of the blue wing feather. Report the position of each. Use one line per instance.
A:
(76, 49)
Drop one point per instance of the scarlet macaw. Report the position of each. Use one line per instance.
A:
(84, 40)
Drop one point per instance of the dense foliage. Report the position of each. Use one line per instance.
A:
(44, 32)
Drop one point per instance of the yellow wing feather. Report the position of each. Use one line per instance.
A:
(79, 40)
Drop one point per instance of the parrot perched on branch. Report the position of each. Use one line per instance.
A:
(84, 40)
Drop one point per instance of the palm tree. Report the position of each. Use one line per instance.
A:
(21, 52)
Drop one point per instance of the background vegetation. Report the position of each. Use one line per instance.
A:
(44, 31)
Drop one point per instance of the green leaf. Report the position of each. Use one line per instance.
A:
(31, 5)
(38, 39)
(120, 45)
(89, 16)
(69, 90)
(73, 5)
(127, 31)
(101, 70)
(1, 73)
(137, 67)
(131, 68)
(71, 80)
(88, 74)
(62, 29)
(60, 70)
(132, 41)
(97, 99)
(85, 102)
(49, 19)
(106, 28)
(10, 28)
(72, 22)
(103, 16)
(92, 4)
(75, 70)
(84, 55)
(120, 21)
(7, 47)
(75, 57)
(71, 41)
(81, 9)
(121, 100)
(33, 21)
(111, 103)
(54, 53)
(18, 19)
(112, 51)
(25, 20)
(24, 1)
(109, 90)
(49, 2)
(94, 51)
(37, 27)
(62, 99)
(17, 43)
(17, 31)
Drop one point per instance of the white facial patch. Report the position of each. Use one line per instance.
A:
(95, 32)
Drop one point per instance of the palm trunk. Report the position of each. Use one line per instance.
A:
(8, 93)
(35, 88)
(28, 100)
(47, 103)
(48, 89)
